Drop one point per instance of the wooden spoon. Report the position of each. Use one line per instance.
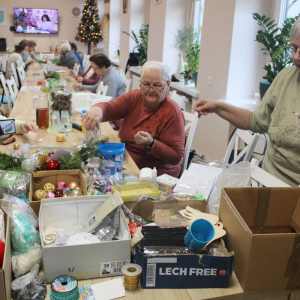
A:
(193, 214)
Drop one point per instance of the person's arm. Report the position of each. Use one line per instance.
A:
(112, 84)
(237, 116)
(91, 81)
(33, 55)
(92, 88)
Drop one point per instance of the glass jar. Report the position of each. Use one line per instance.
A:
(61, 96)
(41, 104)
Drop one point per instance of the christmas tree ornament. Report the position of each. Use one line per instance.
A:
(60, 186)
(50, 195)
(74, 193)
(29, 164)
(49, 187)
(42, 160)
(79, 190)
(16, 146)
(73, 185)
(39, 195)
(52, 165)
(58, 194)
(66, 191)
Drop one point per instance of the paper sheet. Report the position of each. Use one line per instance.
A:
(110, 289)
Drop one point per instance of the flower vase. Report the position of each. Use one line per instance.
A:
(187, 81)
(180, 68)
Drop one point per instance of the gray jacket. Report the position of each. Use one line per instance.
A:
(69, 59)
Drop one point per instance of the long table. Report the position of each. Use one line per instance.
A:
(23, 110)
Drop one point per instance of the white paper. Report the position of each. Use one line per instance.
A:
(60, 71)
(110, 289)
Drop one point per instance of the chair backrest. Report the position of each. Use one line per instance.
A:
(13, 67)
(233, 146)
(260, 177)
(101, 89)
(22, 74)
(46, 56)
(127, 83)
(13, 89)
(76, 68)
(180, 100)
(6, 92)
(191, 121)
(86, 62)
(121, 72)
(4, 62)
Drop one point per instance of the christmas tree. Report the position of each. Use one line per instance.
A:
(89, 30)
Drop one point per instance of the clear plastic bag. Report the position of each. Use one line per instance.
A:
(30, 286)
(14, 183)
(236, 176)
(92, 134)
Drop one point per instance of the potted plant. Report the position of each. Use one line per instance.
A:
(276, 43)
(187, 75)
(141, 41)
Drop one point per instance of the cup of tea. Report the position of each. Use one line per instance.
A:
(40, 80)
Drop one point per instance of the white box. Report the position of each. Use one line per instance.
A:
(81, 261)
(87, 100)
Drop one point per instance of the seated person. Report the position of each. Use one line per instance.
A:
(23, 127)
(30, 55)
(68, 58)
(29, 20)
(109, 76)
(89, 77)
(153, 127)
(46, 23)
(74, 49)
(15, 58)
(26, 45)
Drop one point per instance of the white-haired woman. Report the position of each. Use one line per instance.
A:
(153, 127)
(67, 57)
(275, 115)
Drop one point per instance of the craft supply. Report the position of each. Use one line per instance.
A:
(50, 195)
(39, 195)
(58, 194)
(61, 137)
(2, 226)
(82, 238)
(64, 287)
(16, 146)
(60, 186)
(43, 160)
(87, 292)
(52, 165)
(49, 187)
(73, 185)
(66, 191)
(2, 248)
(110, 289)
(131, 276)
(49, 236)
(166, 182)
(193, 214)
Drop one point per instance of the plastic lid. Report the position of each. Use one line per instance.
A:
(83, 111)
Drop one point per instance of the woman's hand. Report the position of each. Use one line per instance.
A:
(92, 117)
(204, 107)
(72, 73)
(26, 127)
(79, 79)
(143, 138)
(87, 91)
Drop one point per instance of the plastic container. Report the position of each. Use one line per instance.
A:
(87, 100)
(111, 159)
(83, 111)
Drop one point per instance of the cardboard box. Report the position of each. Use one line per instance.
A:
(262, 227)
(38, 179)
(81, 261)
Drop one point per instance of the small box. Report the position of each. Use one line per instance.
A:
(166, 182)
(81, 261)
(38, 179)
(262, 226)
(132, 192)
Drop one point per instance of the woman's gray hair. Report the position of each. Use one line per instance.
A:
(99, 50)
(65, 47)
(157, 66)
(295, 31)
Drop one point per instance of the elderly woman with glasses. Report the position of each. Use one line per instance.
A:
(276, 115)
(153, 126)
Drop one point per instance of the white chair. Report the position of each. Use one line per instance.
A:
(6, 92)
(190, 127)
(127, 83)
(4, 62)
(260, 177)
(22, 74)
(76, 68)
(180, 100)
(46, 56)
(121, 72)
(101, 89)
(13, 89)
(13, 67)
(86, 62)
(250, 143)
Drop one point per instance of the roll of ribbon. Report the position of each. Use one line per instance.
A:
(131, 279)
(146, 172)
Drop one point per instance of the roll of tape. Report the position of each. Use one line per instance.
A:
(146, 172)
(132, 270)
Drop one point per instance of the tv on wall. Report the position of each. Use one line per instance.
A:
(36, 20)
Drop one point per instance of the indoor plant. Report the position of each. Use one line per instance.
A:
(187, 74)
(141, 41)
(276, 41)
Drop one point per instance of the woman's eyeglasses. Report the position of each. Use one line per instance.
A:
(156, 87)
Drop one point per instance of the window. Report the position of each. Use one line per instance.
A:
(198, 16)
(286, 9)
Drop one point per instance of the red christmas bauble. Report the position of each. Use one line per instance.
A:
(52, 165)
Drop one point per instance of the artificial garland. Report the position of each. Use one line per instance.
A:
(11, 163)
(70, 162)
(91, 149)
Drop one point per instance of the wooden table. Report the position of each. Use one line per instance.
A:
(23, 110)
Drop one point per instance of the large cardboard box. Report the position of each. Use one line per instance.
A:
(262, 227)
(81, 261)
(39, 179)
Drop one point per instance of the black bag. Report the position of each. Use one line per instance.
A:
(133, 60)
(2, 44)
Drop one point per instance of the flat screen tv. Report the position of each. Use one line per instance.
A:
(36, 20)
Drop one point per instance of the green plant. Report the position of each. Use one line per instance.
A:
(141, 41)
(187, 74)
(277, 42)
(193, 55)
(51, 74)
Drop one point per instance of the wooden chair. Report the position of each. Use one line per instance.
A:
(76, 68)
(260, 177)
(46, 56)
(86, 62)
(180, 100)
(234, 143)
(22, 74)
(13, 89)
(6, 92)
(102, 89)
(13, 67)
(190, 127)
(127, 83)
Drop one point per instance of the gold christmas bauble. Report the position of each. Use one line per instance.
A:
(73, 185)
(16, 146)
(49, 187)
(39, 195)
(78, 190)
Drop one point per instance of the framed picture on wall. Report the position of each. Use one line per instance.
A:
(2, 17)
(125, 6)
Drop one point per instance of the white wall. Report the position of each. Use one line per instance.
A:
(114, 28)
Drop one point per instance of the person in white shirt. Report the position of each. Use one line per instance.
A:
(46, 23)
(14, 58)
(23, 127)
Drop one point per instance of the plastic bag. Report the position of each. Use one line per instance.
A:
(30, 286)
(14, 183)
(236, 176)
